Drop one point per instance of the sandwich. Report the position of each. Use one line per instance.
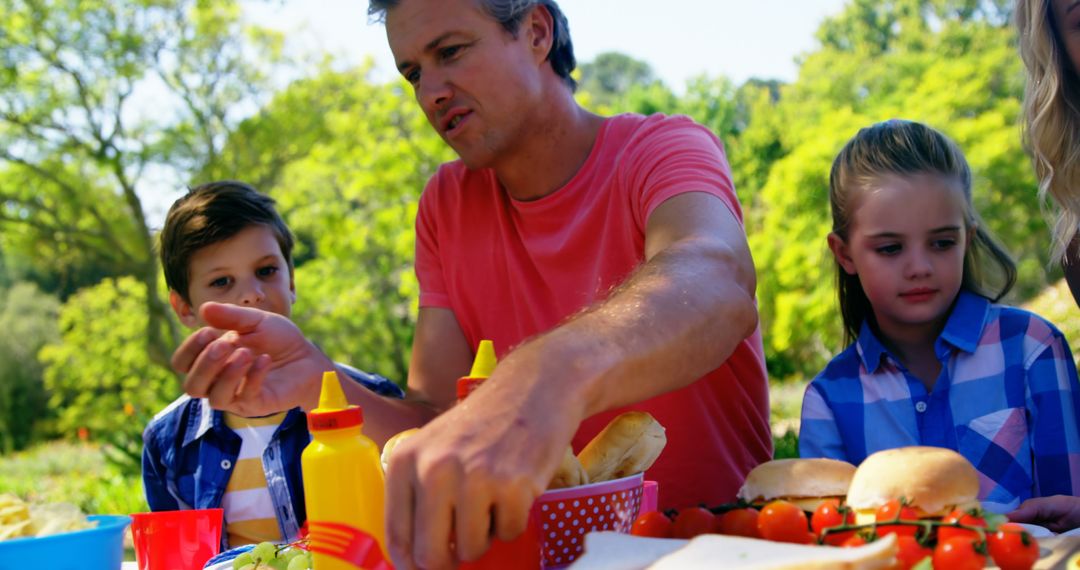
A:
(933, 480)
(805, 482)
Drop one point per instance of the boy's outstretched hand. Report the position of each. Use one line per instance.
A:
(250, 362)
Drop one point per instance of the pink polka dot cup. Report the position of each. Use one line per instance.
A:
(564, 516)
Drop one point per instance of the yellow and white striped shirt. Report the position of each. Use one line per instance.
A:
(249, 509)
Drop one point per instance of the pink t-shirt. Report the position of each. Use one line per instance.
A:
(510, 270)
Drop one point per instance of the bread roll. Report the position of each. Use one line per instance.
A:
(570, 473)
(933, 480)
(805, 482)
(391, 443)
(628, 445)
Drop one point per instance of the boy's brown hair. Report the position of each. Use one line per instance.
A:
(211, 213)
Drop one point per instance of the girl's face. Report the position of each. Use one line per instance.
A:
(1067, 18)
(906, 244)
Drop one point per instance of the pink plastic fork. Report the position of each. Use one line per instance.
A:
(346, 543)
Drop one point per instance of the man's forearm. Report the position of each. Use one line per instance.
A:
(383, 416)
(682, 314)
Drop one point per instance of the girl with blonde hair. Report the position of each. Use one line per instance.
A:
(935, 359)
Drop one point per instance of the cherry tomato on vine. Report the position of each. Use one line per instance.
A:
(739, 522)
(910, 552)
(959, 553)
(853, 541)
(889, 512)
(831, 514)
(691, 522)
(654, 524)
(963, 517)
(1012, 548)
(784, 522)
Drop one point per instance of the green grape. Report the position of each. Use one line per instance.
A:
(299, 562)
(251, 566)
(243, 560)
(263, 552)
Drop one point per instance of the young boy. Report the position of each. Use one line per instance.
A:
(225, 242)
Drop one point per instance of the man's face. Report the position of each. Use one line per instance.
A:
(247, 269)
(1067, 18)
(479, 87)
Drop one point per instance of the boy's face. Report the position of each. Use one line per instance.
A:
(247, 269)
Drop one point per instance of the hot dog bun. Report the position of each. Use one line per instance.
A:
(570, 473)
(628, 445)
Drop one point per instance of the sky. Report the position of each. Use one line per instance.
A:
(679, 39)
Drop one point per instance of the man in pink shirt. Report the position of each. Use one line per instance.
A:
(604, 256)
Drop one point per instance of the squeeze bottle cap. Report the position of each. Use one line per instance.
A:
(334, 411)
(483, 365)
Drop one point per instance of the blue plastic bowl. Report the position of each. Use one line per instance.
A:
(98, 548)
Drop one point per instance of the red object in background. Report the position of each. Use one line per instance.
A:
(84, 434)
(522, 552)
(176, 540)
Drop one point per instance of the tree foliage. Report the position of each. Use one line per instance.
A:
(100, 376)
(349, 192)
(98, 97)
(28, 319)
(951, 64)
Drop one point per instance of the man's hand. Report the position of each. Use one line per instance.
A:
(475, 471)
(1058, 513)
(250, 362)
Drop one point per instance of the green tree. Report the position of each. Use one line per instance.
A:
(352, 202)
(28, 319)
(100, 376)
(95, 97)
(948, 63)
(612, 74)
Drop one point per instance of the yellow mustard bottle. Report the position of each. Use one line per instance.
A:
(483, 365)
(344, 484)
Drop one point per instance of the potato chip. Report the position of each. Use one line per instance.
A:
(18, 519)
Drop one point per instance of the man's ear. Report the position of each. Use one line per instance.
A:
(842, 253)
(184, 311)
(539, 28)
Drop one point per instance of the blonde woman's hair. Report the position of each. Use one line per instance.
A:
(1052, 118)
(907, 148)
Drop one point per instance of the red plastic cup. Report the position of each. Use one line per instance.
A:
(176, 540)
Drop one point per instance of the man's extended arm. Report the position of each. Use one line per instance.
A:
(680, 315)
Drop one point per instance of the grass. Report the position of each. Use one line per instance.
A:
(62, 472)
(73, 473)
